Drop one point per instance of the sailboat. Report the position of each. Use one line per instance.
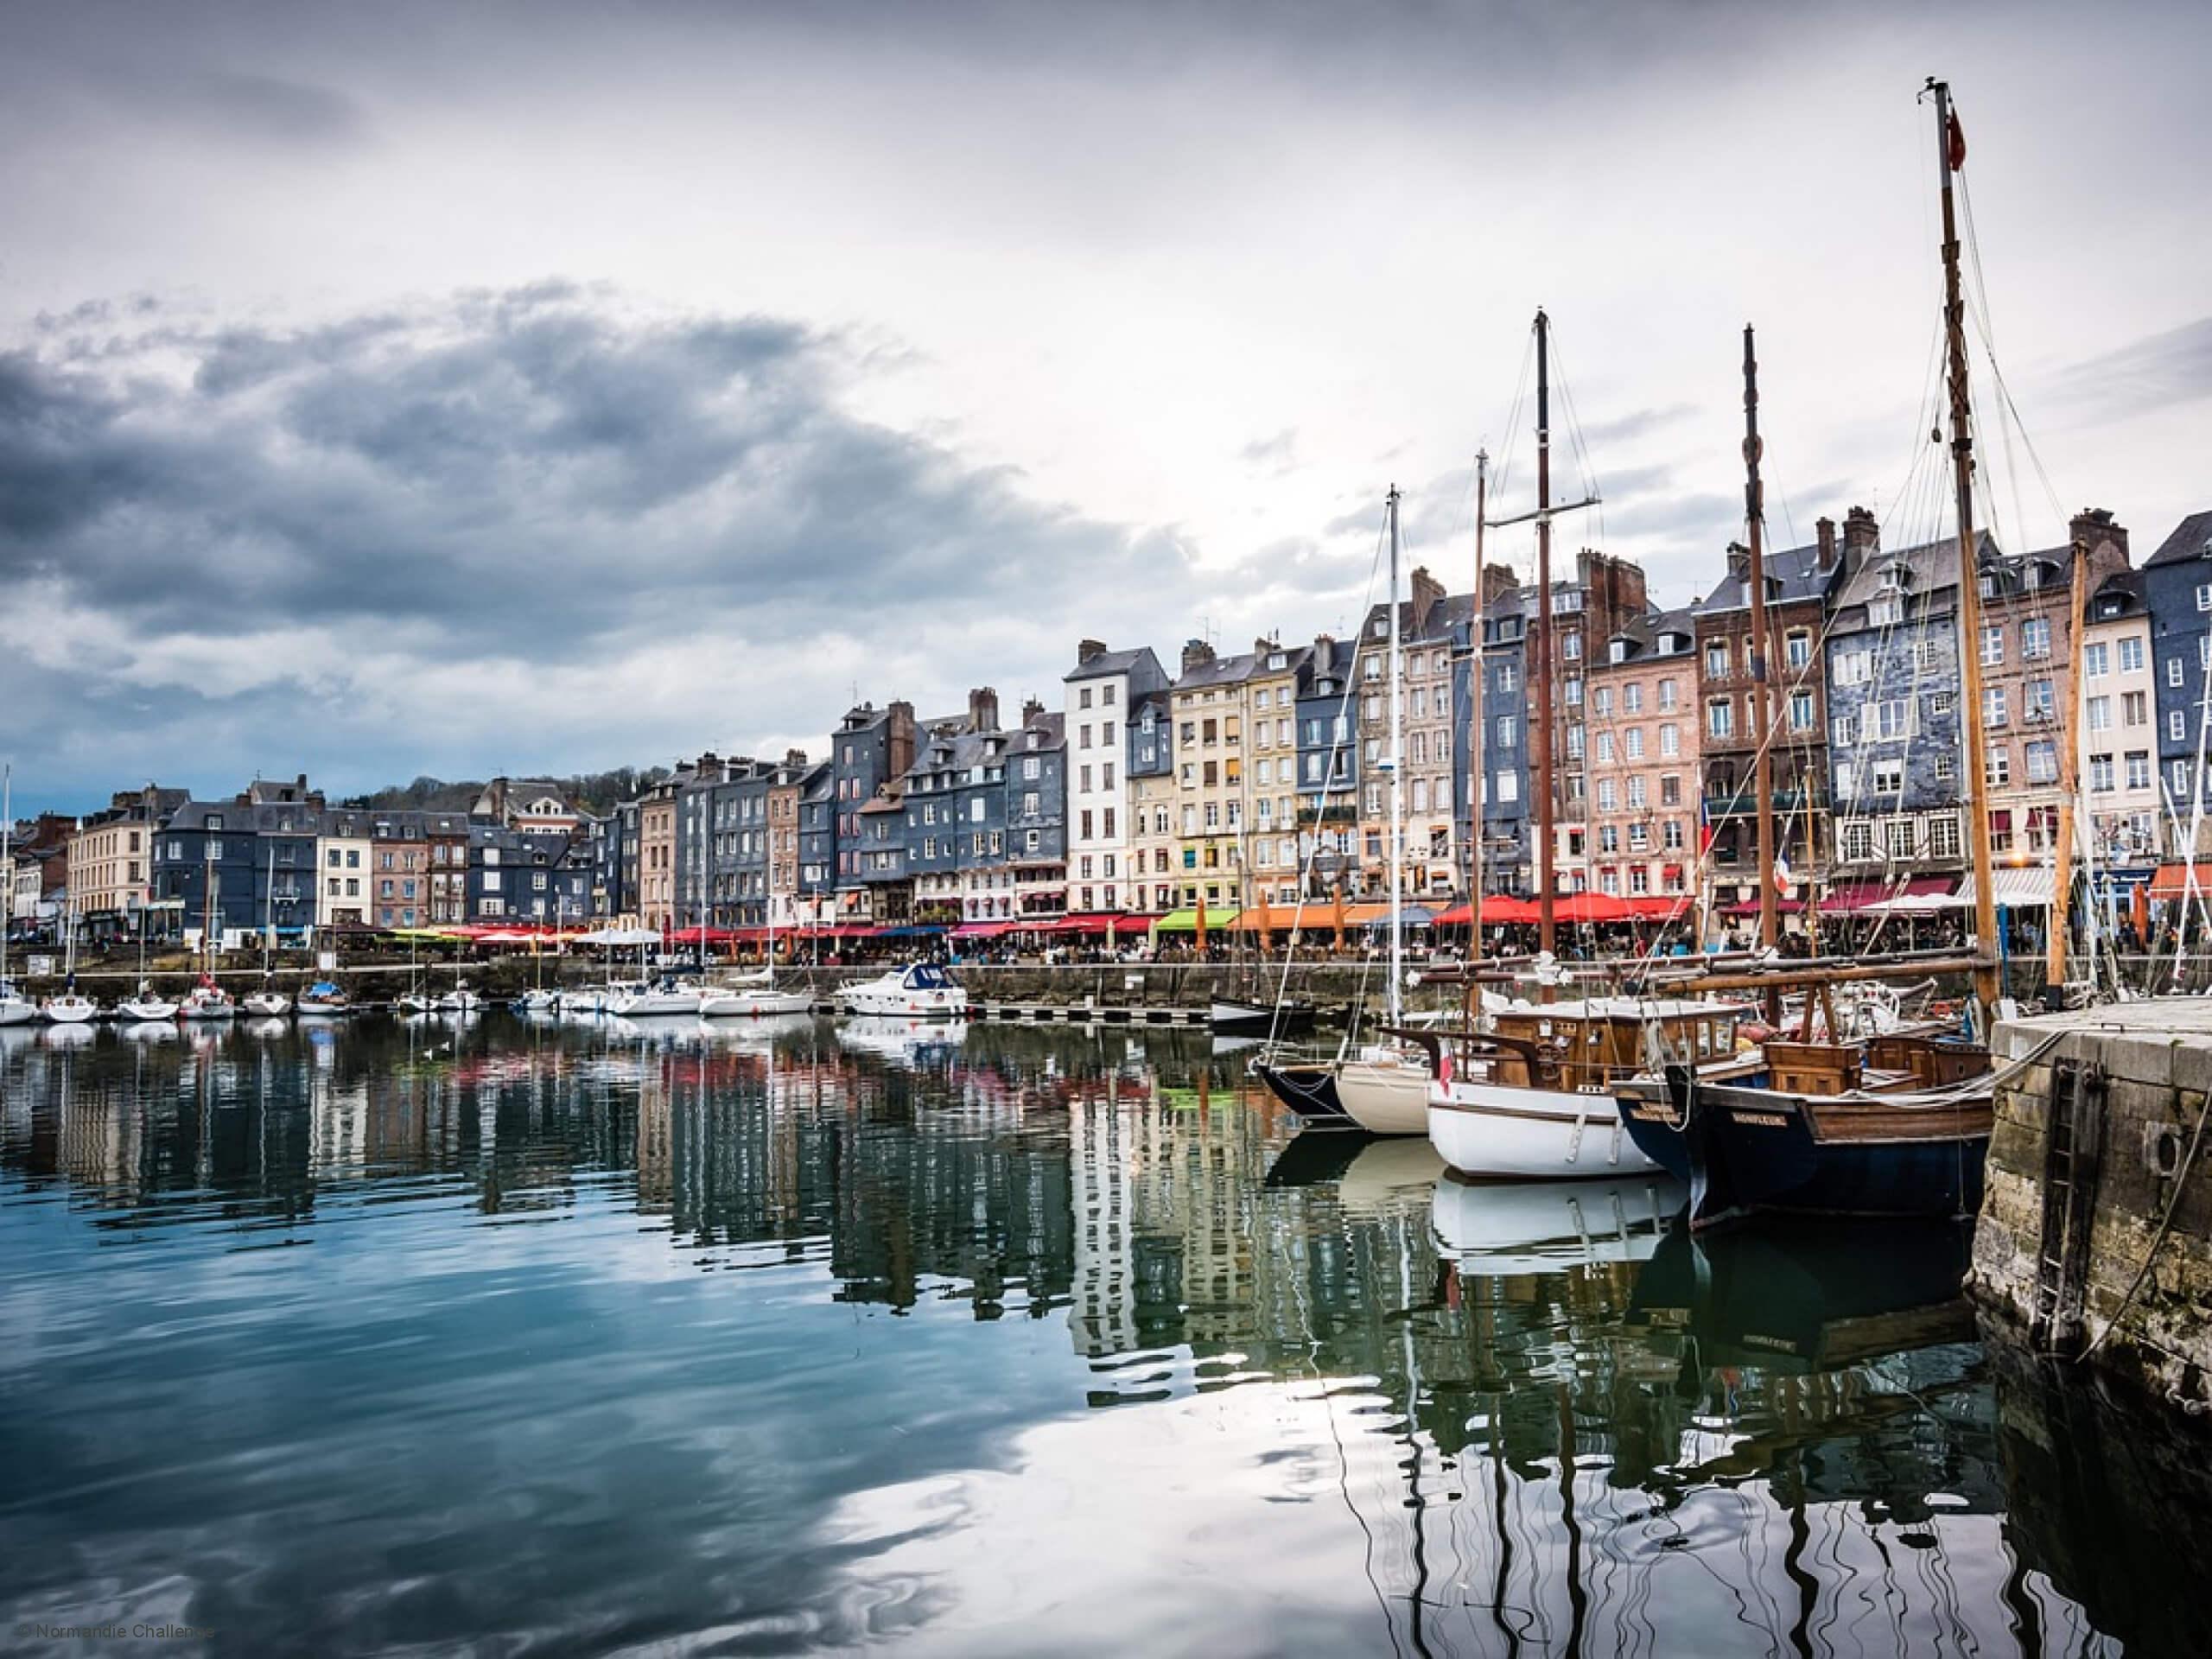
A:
(144, 1006)
(15, 1010)
(1528, 1095)
(755, 996)
(268, 1002)
(70, 1009)
(1384, 1088)
(1898, 1125)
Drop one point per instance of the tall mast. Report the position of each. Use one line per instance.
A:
(7, 862)
(1540, 752)
(1761, 700)
(1949, 153)
(2070, 768)
(1397, 781)
(1478, 765)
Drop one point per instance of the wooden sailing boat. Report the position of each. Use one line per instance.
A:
(1530, 1097)
(1898, 1125)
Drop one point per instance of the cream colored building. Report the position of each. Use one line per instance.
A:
(2118, 739)
(1236, 747)
(111, 869)
(344, 858)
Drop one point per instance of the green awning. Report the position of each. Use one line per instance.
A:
(1186, 921)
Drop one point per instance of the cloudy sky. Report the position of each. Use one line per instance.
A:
(419, 388)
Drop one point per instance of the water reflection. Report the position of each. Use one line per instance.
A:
(755, 1336)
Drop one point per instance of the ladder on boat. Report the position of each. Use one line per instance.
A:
(2073, 1146)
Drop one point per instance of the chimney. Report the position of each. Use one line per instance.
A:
(982, 710)
(1088, 650)
(1428, 594)
(1499, 582)
(2094, 528)
(1195, 654)
(1861, 535)
(1739, 565)
(897, 739)
(795, 757)
(1032, 711)
(1827, 529)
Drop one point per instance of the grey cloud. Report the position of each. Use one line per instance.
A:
(1621, 429)
(268, 107)
(2156, 372)
(1275, 456)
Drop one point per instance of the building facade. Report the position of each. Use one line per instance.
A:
(1643, 759)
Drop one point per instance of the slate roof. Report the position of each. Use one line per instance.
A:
(1111, 662)
(2191, 539)
(1792, 574)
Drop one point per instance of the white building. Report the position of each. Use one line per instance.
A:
(1101, 824)
(343, 864)
(2117, 742)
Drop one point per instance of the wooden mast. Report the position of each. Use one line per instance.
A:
(1540, 750)
(1950, 153)
(2069, 769)
(1761, 710)
(1478, 761)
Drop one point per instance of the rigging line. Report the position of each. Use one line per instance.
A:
(1502, 478)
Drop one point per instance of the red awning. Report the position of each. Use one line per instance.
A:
(981, 929)
(2173, 881)
(1591, 908)
(1658, 906)
(1859, 894)
(1782, 907)
(691, 936)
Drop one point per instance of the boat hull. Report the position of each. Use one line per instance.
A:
(14, 1011)
(1751, 1150)
(1385, 1096)
(308, 1010)
(267, 1005)
(1501, 1132)
(750, 1004)
(1499, 1228)
(69, 1011)
(1310, 1091)
(1232, 1016)
(145, 1010)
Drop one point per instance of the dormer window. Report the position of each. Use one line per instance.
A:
(1619, 651)
(1274, 659)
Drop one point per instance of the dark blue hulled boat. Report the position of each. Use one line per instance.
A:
(1309, 1090)
(1897, 1127)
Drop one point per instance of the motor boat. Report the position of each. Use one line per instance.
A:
(655, 1000)
(538, 1001)
(15, 1008)
(207, 1000)
(324, 1001)
(144, 1006)
(267, 1004)
(921, 990)
(459, 999)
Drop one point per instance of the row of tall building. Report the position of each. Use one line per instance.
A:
(1239, 778)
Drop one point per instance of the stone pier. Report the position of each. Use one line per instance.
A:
(2095, 1235)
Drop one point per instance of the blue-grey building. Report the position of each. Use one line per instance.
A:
(1507, 845)
(1895, 725)
(2177, 588)
(239, 865)
(870, 750)
(817, 833)
(1328, 767)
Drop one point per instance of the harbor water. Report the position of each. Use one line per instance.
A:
(587, 1339)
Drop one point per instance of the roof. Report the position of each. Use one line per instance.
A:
(1933, 565)
(2120, 594)
(1792, 574)
(2191, 539)
(1219, 670)
(260, 819)
(1111, 662)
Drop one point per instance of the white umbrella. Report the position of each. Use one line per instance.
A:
(620, 936)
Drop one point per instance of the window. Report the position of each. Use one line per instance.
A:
(1889, 777)
(2135, 709)
(1608, 797)
(1998, 770)
(1632, 699)
(2100, 773)
(1992, 644)
(1632, 743)
(1797, 648)
(2043, 761)
(1716, 660)
(2095, 660)
(1601, 703)
(2138, 769)
(1801, 711)
(1605, 748)
(1993, 706)
(1843, 730)
(1668, 696)
(2204, 597)
(1947, 768)
(2177, 726)
(1858, 839)
(1845, 780)
(2173, 671)
(1893, 718)
(2131, 656)
(1508, 788)
(1897, 833)
(1943, 836)
(2179, 771)
(2035, 637)
(1509, 731)
(1720, 718)
(1670, 789)
(2099, 712)
(1854, 667)
(1670, 834)
(1636, 792)
(1670, 741)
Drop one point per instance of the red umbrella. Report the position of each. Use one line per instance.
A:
(1592, 908)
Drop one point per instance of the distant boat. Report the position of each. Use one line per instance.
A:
(459, 999)
(659, 999)
(324, 1001)
(921, 990)
(267, 1004)
(538, 1001)
(1242, 1016)
(207, 1000)
(15, 1008)
(145, 1005)
(68, 1008)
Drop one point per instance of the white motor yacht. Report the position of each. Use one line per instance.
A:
(920, 990)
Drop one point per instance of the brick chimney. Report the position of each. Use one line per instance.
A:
(2095, 527)
(1861, 535)
(1428, 594)
(1740, 564)
(1499, 582)
(1827, 529)
(1197, 654)
(982, 710)
(795, 757)
(897, 739)
(1089, 650)
(1031, 710)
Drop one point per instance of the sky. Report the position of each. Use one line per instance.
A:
(417, 389)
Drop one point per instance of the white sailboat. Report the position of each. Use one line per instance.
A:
(70, 1009)
(144, 1005)
(15, 1010)
(754, 995)
(268, 1002)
